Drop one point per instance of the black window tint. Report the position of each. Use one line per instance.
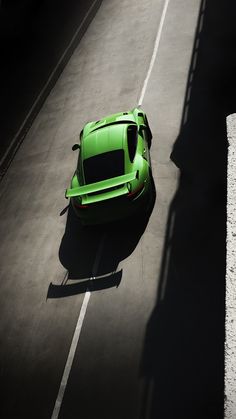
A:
(79, 168)
(132, 138)
(104, 166)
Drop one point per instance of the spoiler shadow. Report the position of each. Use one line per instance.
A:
(80, 246)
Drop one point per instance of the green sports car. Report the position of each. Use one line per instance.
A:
(113, 175)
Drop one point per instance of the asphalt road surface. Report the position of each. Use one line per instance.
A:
(152, 339)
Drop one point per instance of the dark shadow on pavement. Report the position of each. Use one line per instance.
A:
(96, 284)
(37, 38)
(183, 358)
(79, 250)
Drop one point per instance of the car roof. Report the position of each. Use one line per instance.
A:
(107, 138)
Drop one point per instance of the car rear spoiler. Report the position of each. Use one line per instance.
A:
(102, 185)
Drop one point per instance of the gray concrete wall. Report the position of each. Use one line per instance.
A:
(230, 343)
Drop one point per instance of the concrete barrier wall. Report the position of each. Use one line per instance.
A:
(230, 342)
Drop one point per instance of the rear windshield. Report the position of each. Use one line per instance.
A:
(104, 166)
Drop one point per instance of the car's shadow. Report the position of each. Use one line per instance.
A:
(91, 255)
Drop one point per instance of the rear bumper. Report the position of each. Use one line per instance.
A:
(113, 209)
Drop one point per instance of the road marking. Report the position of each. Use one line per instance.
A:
(16, 142)
(98, 256)
(71, 355)
(76, 335)
(154, 54)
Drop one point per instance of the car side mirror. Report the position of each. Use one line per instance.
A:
(75, 147)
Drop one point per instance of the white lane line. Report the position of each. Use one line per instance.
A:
(41, 94)
(154, 54)
(98, 256)
(70, 358)
(76, 336)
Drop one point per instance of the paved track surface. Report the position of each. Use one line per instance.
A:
(153, 346)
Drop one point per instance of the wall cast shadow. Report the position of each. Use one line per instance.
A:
(183, 357)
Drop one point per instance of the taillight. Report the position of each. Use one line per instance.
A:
(133, 194)
(80, 206)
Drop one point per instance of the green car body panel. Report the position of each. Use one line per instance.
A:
(121, 142)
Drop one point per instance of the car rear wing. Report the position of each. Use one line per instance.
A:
(102, 185)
